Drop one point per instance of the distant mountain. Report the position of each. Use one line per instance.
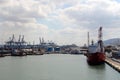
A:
(114, 41)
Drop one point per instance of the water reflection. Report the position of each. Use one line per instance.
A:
(54, 67)
(97, 67)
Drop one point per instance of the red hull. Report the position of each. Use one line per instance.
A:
(95, 58)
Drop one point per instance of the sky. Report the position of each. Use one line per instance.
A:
(61, 21)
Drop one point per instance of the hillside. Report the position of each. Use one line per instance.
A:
(113, 41)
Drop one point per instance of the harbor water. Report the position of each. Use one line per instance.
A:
(54, 67)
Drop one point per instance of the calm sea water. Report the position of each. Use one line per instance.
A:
(54, 67)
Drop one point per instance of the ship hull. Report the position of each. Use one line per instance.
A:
(95, 58)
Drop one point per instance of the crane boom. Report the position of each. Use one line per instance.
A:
(100, 42)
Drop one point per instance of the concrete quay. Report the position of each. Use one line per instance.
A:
(113, 63)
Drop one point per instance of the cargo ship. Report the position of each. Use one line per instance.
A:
(95, 54)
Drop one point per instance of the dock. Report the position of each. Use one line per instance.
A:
(113, 63)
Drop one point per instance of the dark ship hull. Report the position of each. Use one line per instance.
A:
(95, 58)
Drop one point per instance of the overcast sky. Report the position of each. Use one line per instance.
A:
(62, 21)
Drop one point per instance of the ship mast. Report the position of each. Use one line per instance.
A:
(100, 42)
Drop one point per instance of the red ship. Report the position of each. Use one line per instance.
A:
(95, 54)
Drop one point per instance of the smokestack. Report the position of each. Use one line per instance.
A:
(88, 39)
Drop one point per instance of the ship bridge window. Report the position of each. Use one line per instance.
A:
(92, 49)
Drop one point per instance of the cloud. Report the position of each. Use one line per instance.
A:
(20, 17)
(23, 10)
(92, 13)
(63, 21)
(32, 31)
(89, 15)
